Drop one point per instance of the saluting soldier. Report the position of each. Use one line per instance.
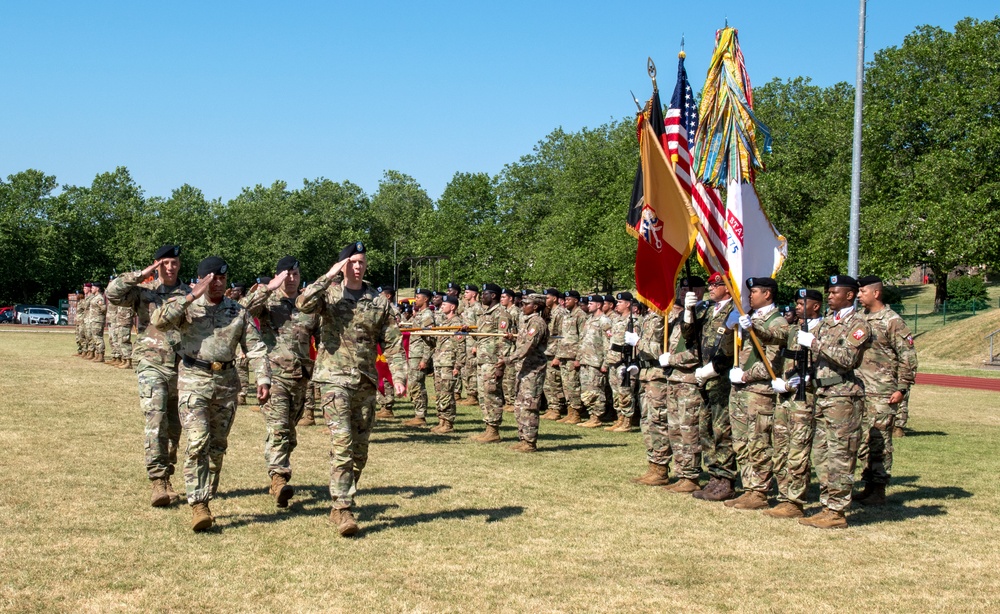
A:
(888, 371)
(529, 361)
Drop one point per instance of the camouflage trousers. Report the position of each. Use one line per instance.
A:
(416, 386)
(903, 412)
(445, 382)
(570, 384)
(112, 348)
(752, 419)
(243, 373)
(509, 386)
(875, 448)
(158, 401)
(653, 400)
(794, 427)
(387, 398)
(621, 394)
(592, 385)
(206, 402)
(349, 413)
(95, 336)
(553, 388)
(684, 406)
(470, 373)
(310, 404)
(715, 430)
(123, 339)
(81, 339)
(529, 385)
(281, 413)
(490, 395)
(835, 448)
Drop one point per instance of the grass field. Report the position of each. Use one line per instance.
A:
(449, 525)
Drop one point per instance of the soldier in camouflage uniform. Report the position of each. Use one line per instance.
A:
(902, 417)
(419, 360)
(684, 402)
(572, 321)
(81, 322)
(528, 360)
(839, 344)
(715, 322)
(471, 310)
(385, 397)
(794, 420)
(210, 326)
(508, 302)
(753, 400)
(287, 333)
(592, 358)
(155, 362)
(97, 308)
(653, 391)
(488, 351)
(622, 321)
(449, 358)
(113, 353)
(121, 327)
(888, 370)
(553, 382)
(354, 321)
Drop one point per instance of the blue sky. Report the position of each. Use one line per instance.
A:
(228, 95)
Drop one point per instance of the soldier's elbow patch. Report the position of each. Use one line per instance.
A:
(858, 336)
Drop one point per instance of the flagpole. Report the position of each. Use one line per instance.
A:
(854, 237)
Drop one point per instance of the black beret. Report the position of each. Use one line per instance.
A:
(608, 298)
(424, 291)
(287, 263)
(472, 287)
(813, 295)
(354, 248)
(692, 282)
(453, 285)
(510, 293)
(265, 280)
(624, 296)
(762, 282)
(212, 264)
(387, 289)
(167, 251)
(571, 294)
(785, 309)
(526, 292)
(450, 299)
(495, 289)
(843, 281)
(552, 292)
(595, 298)
(869, 280)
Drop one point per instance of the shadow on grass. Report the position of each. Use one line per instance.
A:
(494, 514)
(581, 446)
(896, 508)
(910, 433)
(407, 492)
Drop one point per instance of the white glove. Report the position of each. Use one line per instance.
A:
(690, 300)
(621, 371)
(631, 338)
(793, 382)
(736, 375)
(665, 359)
(704, 373)
(806, 339)
(633, 369)
(745, 322)
(779, 385)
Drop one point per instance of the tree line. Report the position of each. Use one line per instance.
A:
(556, 216)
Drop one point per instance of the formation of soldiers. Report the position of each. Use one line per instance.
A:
(93, 314)
(748, 399)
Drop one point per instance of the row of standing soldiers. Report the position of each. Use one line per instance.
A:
(93, 314)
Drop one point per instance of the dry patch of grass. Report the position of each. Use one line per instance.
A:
(961, 344)
(454, 526)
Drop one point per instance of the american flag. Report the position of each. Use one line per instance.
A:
(681, 126)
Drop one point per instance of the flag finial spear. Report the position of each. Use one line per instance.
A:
(651, 69)
(682, 55)
(636, 101)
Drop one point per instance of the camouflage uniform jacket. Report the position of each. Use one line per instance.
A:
(471, 313)
(890, 364)
(152, 345)
(715, 337)
(756, 377)
(421, 347)
(81, 310)
(111, 313)
(286, 331)
(515, 317)
(790, 342)
(555, 329)
(97, 309)
(571, 330)
(212, 332)
(490, 349)
(839, 348)
(350, 332)
(682, 343)
(594, 341)
(449, 350)
(124, 315)
(529, 350)
(616, 343)
(649, 348)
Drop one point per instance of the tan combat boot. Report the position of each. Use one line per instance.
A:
(875, 495)
(281, 490)
(125, 363)
(443, 427)
(592, 422)
(827, 519)
(385, 413)
(650, 472)
(551, 414)
(683, 486)
(785, 509)
(898, 432)
(306, 421)
(241, 399)
(739, 499)
(526, 447)
(572, 417)
(755, 500)
(660, 476)
(344, 521)
(201, 517)
(98, 357)
(415, 422)
(614, 424)
(490, 435)
(625, 426)
(160, 496)
(508, 408)
(174, 497)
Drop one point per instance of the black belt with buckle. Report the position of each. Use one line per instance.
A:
(208, 366)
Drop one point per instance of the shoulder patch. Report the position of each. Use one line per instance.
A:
(531, 331)
(503, 324)
(909, 339)
(858, 335)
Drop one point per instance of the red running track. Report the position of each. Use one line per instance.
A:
(959, 381)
